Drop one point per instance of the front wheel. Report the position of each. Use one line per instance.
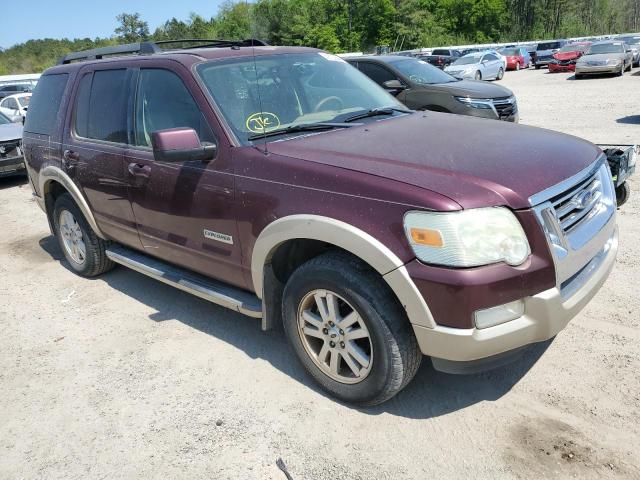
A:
(478, 75)
(500, 74)
(348, 329)
(517, 66)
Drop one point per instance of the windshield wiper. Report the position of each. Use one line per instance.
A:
(303, 127)
(375, 112)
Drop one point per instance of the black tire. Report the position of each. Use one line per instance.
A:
(537, 67)
(622, 194)
(96, 260)
(578, 76)
(500, 75)
(396, 355)
(478, 75)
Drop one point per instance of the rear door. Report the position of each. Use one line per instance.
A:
(93, 148)
(184, 211)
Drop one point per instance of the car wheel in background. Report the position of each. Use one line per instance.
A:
(478, 75)
(537, 67)
(500, 74)
(629, 67)
(517, 66)
(577, 76)
(348, 329)
(82, 248)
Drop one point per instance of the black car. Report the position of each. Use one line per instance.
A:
(421, 86)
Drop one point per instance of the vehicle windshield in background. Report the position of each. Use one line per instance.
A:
(419, 71)
(548, 46)
(574, 48)
(294, 89)
(509, 52)
(3, 119)
(468, 60)
(23, 101)
(441, 52)
(630, 40)
(599, 48)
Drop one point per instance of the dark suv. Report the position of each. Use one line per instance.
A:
(284, 184)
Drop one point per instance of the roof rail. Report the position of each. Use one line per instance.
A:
(151, 48)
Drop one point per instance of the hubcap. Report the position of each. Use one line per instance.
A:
(72, 237)
(335, 336)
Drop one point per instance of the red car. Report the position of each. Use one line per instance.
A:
(564, 60)
(515, 58)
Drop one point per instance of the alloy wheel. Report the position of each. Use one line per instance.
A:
(335, 336)
(72, 237)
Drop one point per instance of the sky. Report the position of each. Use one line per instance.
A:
(88, 18)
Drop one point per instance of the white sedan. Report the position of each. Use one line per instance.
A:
(478, 66)
(15, 106)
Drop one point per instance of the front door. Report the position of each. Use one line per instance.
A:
(184, 211)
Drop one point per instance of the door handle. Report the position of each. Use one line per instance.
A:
(139, 170)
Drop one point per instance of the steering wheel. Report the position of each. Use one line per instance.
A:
(326, 100)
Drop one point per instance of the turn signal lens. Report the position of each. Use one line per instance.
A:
(425, 236)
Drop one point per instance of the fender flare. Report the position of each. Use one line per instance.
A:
(52, 173)
(351, 239)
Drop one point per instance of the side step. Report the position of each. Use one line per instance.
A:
(190, 282)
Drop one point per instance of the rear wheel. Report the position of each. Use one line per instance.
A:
(348, 330)
(82, 248)
(622, 194)
(537, 67)
(478, 75)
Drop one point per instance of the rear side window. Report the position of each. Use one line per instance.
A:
(162, 102)
(440, 52)
(101, 106)
(45, 104)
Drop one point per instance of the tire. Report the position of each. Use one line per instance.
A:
(537, 67)
(94, 261)
(390, 345)
(478, 75)
(622, 194)
(517, 66)
(629, 67)
(621, 72)
(578, 76)
(500, 75)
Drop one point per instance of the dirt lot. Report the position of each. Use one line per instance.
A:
(123, 377)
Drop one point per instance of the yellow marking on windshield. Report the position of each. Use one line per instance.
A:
(261, 122)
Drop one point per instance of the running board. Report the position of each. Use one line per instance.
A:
(190, 282)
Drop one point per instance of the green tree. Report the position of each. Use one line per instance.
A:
(132, 28)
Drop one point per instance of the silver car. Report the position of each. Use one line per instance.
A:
(478, 66)
(605, 57)
(11, 157)
(633, 42)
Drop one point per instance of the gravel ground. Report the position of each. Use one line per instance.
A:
(124, 377)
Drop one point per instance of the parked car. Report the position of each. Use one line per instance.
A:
(15, 106)
(564, 60)
(11, 157)
(478, 66)
(633, 42)
(283, 184)
(604, 57)
(516, 58)
(545, 51)
(441, 57)
(13, 88)
(421, 86)
(467, 51)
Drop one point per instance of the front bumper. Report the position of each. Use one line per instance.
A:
(12, 166)
(559, 67)
(598, 69)
(546, 314)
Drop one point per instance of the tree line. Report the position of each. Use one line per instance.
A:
(357, 25)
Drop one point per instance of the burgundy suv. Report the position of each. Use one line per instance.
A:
(284, 184)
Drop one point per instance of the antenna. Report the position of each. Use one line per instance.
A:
(255, 70)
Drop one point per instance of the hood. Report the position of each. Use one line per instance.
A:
(472, 88)
(475, 162)
(10, 131)
(600, 57)
(566, 55)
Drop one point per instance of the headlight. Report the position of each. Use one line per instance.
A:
(475, 102)
(467, 238)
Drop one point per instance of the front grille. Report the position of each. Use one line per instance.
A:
(10, 149)
(574, 205)
(505, 107)
(566, 62)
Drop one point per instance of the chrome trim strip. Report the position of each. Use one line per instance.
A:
(559, 188)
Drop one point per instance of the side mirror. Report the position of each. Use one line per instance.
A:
(394, 85)
(180, 145)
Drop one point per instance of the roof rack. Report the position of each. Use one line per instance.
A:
(151, 48)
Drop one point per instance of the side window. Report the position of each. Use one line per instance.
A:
(45, 104)
(81, 121)
(12, 104)
(107, 116)
(163, 101)
(375, 72)
(491, 57)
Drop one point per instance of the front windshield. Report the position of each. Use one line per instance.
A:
(3, 119)
(599, 48)
(294, 89)
(509, 52)
(419, 71)
(573, 48)
(468, 60)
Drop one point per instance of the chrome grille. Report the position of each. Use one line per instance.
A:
(505, 107)
(573, 206)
